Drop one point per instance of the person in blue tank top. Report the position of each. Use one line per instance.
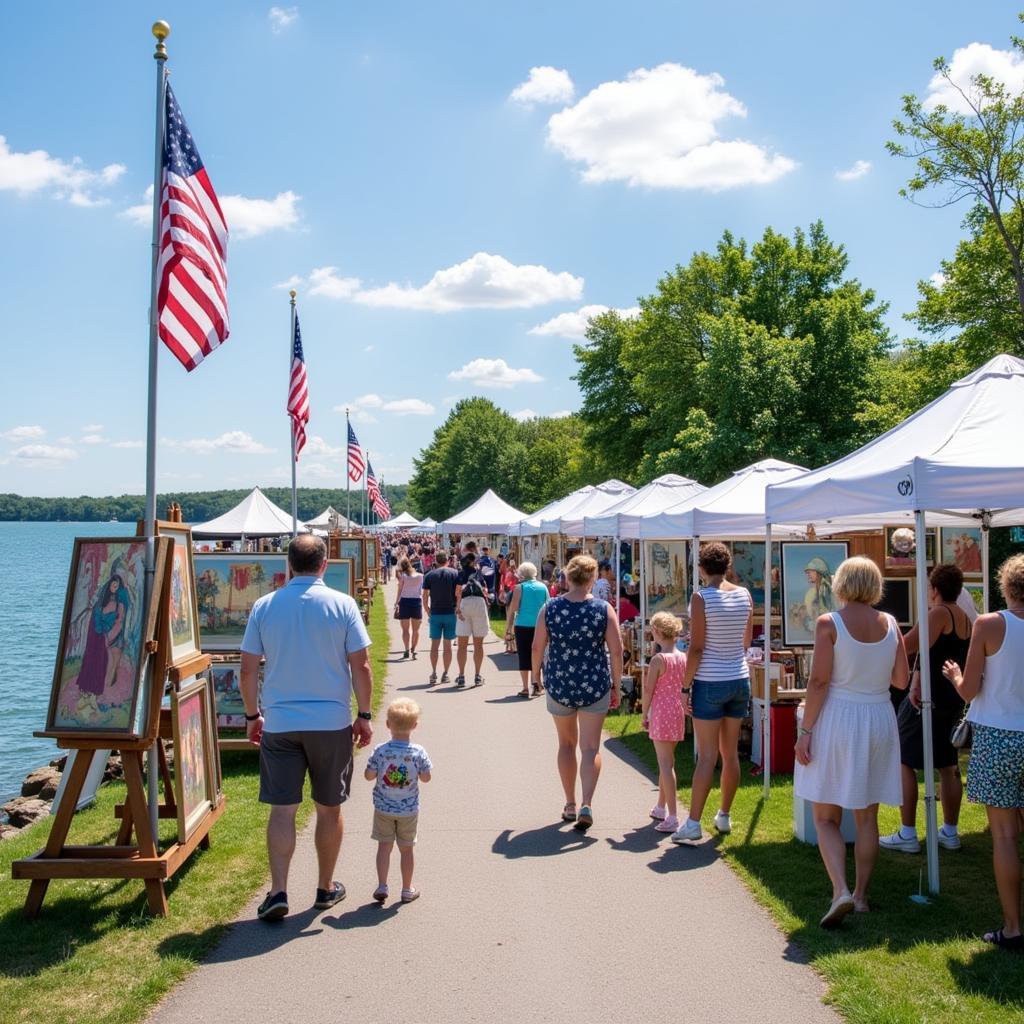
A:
(528, 598)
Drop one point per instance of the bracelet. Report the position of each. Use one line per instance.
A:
(804, 732)
(252, 718)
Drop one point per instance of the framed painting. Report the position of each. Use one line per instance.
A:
(193, 772)
(212, 745)
(977, 593)
(961, 546)
(900, 547)
(355, 549)
(185, 639)
(748, 571)
(98, 680)
(341, 575)
(226, 677)
(898, 599)
(227, 586)
(604, 549)
(807, 572)
(372, 560)
(666, 577)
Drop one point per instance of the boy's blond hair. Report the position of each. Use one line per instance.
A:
(666, 624)
(403, 714)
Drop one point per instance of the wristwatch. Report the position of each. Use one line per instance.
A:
(366, 715)
(252, 718)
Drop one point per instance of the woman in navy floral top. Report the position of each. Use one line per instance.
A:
(578, 641)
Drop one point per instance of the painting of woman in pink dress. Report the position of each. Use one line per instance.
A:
(106, 637)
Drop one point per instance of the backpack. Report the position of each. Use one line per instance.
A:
(472, 587)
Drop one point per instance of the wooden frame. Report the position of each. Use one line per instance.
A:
(353, 547)
(80, 595)
(191, 704)
(181, 534)
(961, 546)
(667, 574)
(748, 571)
(898, 599)
(372, 554)
(803, 600)
(341, 575)
(212, 746)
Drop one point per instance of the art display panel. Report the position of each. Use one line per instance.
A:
(193, 768)
(961, 546)
(666, 577)
(807, 572)
(101, 656)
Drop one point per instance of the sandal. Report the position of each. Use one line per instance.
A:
(523, 693)
(568, 815)
(1012, 943)
(537, 689)
(584, 819)
(380, 894)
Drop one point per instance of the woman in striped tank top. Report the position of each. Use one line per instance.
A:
(716, 686)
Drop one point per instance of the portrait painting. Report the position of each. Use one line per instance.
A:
(185, 640)
(900, 547)
(355, 549)
(227, 586)
(193, 776)
(666, 577)
(807, 572)
(748, 571)
(101, 657)
(898, 600)
(961, 546)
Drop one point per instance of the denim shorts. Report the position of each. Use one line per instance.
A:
(729, 698)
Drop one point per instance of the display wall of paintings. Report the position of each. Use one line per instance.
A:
(228, 585)
(194, 773)
(961, 546)
(355, 549)
(185, 636)
(807, 572)
(901, 547)
(226, 676)
(898, 599)
(666, 577)
(101, 656)
(748, 571)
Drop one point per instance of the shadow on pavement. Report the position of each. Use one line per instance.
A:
(547, 841)
(369, 915)
(245, 939)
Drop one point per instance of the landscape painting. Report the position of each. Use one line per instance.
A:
(184, 613)
(101, 654)
(354, 548)
(748, 571)
(192, 778)
(340, 575)
(666, 577)
(807, 573)
(227, 586)
(977, 594)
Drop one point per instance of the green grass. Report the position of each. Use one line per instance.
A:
(94, 954)
(900, 964)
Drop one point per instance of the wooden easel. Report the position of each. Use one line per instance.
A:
(59, 859)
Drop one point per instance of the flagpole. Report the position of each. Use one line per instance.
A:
(348, 479)
(161, 30)
(366, 492)
(291, 423)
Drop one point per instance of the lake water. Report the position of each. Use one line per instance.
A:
(34, 563)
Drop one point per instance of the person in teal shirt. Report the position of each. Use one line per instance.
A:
(528, 598)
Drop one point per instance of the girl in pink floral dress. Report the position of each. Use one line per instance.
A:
(663, 715)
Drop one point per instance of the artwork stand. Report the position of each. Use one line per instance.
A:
(142, 859)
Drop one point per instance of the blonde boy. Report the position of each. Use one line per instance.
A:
(398, 766)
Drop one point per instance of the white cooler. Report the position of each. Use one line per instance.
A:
(803, 812)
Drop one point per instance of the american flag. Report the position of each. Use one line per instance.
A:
(192, 305)
(355, 457)
(298, 392)
(377, 500)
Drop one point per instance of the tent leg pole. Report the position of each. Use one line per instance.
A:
(766, 734)
(984, 565)
(643, 607)
(695, 562)
(924, 646)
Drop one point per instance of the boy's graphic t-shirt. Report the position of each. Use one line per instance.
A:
(398, 764)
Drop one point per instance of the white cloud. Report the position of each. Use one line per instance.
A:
(524, 414)
(37, 171)
(44, 453)
(316, 445)
(23, 433)
(574, 325)
(126, 444)
(969, 61)
(91, 439)
(293, 282)
(659, 128)
(316, 471)
(92, 428)
(409, 407)
(545, 85)
(237, 442)
(858, 170)
(246, 218)
(281, 17)
(560, 415)
(494, 373)
(325, 281)
(483, 281)
(368, 348)
(938, 279)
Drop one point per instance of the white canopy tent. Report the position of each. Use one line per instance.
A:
(427, 525)
(331, 519)
(488, 514)
(254, 516)
(403, 521)
(960, 455)
(569, 520)
(530, 526)
(623, 519)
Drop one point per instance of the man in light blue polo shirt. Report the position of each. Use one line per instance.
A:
(317, 654)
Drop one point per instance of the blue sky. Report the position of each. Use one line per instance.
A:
(432, 218)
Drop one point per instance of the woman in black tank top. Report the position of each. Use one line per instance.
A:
(949, 631)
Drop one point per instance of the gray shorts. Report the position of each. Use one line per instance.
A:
(285, 757)
(599, 707)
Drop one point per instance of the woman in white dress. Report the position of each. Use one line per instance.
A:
(848, 752)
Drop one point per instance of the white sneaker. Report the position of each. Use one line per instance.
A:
(949, 842)
(688, 832)
(722, 822)
(897, 842)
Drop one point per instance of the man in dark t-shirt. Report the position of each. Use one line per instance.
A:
(439, 604)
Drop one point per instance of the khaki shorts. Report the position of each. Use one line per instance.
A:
(389, 828)
(475, 621)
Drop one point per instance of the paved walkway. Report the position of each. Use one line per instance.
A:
(522, 919)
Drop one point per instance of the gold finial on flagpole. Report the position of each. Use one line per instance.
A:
(161, 30)
(292, 294)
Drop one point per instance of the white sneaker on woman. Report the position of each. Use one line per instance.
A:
(722, 822)
(688, 832)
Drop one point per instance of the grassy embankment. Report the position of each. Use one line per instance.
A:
(900, 964)
(94, 954)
